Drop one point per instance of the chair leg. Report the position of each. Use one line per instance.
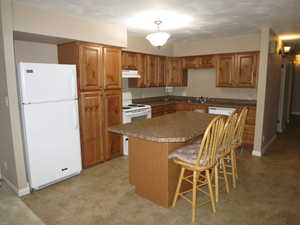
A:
(233, 168)
(217, 182)
(225, 174)
(178, 186)
(212, 199)
(194, 200)
(235, 165)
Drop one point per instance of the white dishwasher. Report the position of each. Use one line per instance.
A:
(221, 110)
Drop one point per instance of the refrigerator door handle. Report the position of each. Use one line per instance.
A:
(74, 86)
(75, 112)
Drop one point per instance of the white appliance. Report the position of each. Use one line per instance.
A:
(130, 74)
(49, 110)
(221, 110)
(131, 113)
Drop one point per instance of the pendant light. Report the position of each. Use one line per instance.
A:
(158, 38)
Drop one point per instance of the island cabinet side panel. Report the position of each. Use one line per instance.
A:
(153, 174)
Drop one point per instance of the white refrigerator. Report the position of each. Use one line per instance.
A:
(49, 111)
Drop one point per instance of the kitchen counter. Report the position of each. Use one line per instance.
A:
(175, 127)
(217, 102)
(150, 142)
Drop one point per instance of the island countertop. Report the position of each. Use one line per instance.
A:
(175, 127)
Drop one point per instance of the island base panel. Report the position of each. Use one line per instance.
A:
(151, 172)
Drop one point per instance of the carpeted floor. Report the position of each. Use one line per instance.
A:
(268, 193)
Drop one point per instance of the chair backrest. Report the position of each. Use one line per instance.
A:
(228, 133)
(240, 126)
(210, 142)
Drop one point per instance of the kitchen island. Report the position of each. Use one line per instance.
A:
(150, 142)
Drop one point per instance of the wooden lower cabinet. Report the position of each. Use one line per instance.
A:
(91, 127)
(113, 116)
(98, 111)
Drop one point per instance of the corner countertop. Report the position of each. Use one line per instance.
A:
(175, 127)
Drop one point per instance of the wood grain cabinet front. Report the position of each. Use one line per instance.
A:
(112, 68)
(129, 61)
(91, 127)
(113, 116)
(237, 70)
(90, 67)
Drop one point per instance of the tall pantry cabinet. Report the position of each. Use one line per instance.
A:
(100, 97)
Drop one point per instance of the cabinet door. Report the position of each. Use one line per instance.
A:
(191, 62)
(225, 70)
(180, 73)
(246, 70)
(129, 60)
(160, 76)
(142, 68)
(91, 127)
(174, 68)
(112, 68)
(90, 67)
(207, 61)
(113, 116)
(152, 70)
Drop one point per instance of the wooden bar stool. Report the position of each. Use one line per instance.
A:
(236, 144)
(199, 160)
(224, 151)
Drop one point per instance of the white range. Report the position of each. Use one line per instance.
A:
(131, 113)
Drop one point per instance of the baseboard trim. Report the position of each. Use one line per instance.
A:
(258, 153)
(19, 192)
(295, 113)
(268, 144)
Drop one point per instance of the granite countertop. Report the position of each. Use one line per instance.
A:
(219, 104)
(175, 127)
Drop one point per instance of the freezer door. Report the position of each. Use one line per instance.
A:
(46, 82)
(51, 134)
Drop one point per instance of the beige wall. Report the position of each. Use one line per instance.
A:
(218, 45)
(38, 21)
(202, 82)
(267, 93)
(296, 88)
(11, 136)
(140, 44)
(27, 51)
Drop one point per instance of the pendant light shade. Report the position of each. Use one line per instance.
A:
(158, 38)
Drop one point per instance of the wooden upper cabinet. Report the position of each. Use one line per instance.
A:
(191, 62)
(112, 68)
(161, 71)
(152, 69)
(142, 69)
(171, 76)
(225, 70)
(91, 127)
(90, 67)
(129, 61)
(113, 116)
(237, 70)
(207, 61)
(246, 70)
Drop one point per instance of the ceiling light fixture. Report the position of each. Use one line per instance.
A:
(158, 38)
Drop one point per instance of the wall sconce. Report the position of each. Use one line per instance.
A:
(285, 51)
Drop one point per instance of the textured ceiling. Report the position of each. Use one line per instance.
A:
(211, 18)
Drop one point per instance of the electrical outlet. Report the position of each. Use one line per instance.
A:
(5, 165)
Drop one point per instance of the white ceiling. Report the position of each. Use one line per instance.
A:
(210, 18)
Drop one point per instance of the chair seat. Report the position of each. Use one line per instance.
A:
(188, 153)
